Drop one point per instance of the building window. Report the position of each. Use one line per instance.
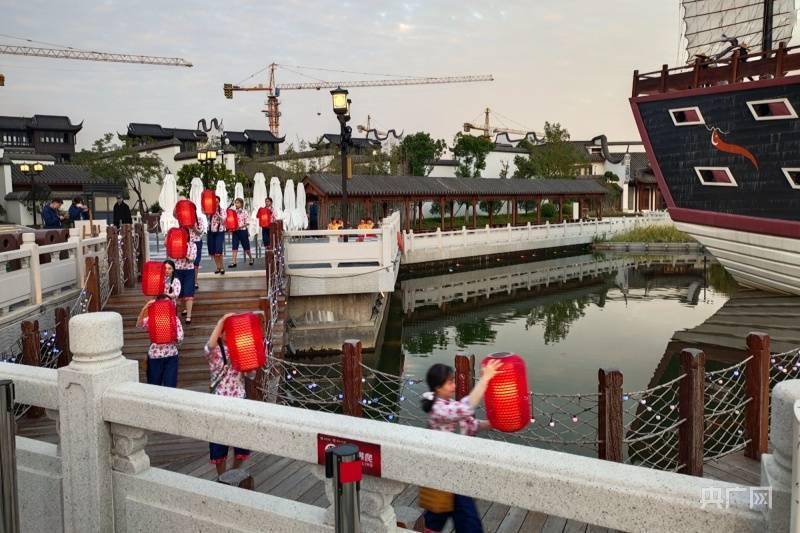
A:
(778, 109)
(720, 176)
(686, 116)
(793, 175)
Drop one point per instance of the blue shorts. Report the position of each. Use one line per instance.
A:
(216, 242)
(218, 453)
(199, 252)
(240, 237)
(186, 277)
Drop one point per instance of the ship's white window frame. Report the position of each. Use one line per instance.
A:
(786, 172)
(693, 123)
(785, 101)
(716, 183)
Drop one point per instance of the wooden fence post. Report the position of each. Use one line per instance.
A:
(31, 350)
(128, 259)
(113, 260)
(351, 378)
(691, 404)
(464, 375)
(138, 230)
(62, 336)
(609, 423)
(756, 412)
(93, 284)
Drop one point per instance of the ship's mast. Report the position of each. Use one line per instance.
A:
(766, 35)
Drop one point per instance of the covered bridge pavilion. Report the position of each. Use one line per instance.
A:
(376, 196)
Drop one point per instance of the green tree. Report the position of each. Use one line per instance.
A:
(210, 176)
(122, 165)
(418, 150)
(556, 158)
(556, 317)
(471, 152)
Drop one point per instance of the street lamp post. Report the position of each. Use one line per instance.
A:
(32, 171)
(341, 106)
(206, 159)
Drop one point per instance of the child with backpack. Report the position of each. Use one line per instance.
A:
(162, 359)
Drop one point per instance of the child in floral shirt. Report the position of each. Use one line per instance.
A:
(241, 235)
(216, 238)
(447, 414)
(224, 381)
(172, 285)
(162, 359)
(185, 273)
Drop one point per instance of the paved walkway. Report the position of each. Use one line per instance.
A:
(157, 253)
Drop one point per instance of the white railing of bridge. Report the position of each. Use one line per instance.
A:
(440, 245)
(344, 261)
(102, 476)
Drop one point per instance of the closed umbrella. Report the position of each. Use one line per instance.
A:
(276, 195)
(288, 206)
(259, 195)
(167, 199)
(300, 208)
(222, 192)
(238, 191)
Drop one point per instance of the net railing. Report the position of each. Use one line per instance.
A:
(724, 411)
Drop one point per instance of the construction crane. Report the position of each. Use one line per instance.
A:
(89, 55)
(273, 89)
(488, 130)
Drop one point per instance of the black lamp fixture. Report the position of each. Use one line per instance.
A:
(32, 171)
(341, 107)
(206, 159)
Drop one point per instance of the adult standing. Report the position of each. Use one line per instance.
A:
(216, 238)
(78, 210)
(51, 214)
(122, 213)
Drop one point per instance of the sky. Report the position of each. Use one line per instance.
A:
(566, 61)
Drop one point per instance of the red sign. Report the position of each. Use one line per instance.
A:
(370, 454)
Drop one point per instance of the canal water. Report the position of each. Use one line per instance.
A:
(566, 316)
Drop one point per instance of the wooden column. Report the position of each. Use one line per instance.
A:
(62, 336)
(609, 415)
(491, 213)
(474, 213)
(406, 216)
(31, 350)
(93, 284)
(138, 229)
(441, 213)
(113, 260)
(385, 209)
(757, 388)
(464, 375)
(351, 378)
(452, 214)
(691, 402)
(128, 261)
(560, 209)
(421, 217)
(514, 213)
(538, 211)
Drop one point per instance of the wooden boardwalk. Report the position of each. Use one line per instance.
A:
(284, 477)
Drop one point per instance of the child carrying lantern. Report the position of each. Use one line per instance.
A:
(216, 234)
(172, 285)
(225, 380)
(239, 234)
(264, 215)
(183, 250)
(166, 332)
(448, 414)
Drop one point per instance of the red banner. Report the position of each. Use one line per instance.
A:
(370, 454)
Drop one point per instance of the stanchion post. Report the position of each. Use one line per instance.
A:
(113, 260)
(62, 336)
(128, 260)
(9, 512)
(351, 378)
(756, 412)
(343, 466)
(609, 415)
(93, 284)
(691, 404)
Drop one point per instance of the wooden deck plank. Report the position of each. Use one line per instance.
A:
(554, 524)
(574, 526)
(534, 522)
(513, 520)
(494, 516)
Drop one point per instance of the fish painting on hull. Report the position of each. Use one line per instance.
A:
(719, 143)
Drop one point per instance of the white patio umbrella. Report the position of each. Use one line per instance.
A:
(276, 195)
(238, 191)
(196, 195)
(288, 206)
(259, 195)
(222, 192)
(300, 208)
(167, 199)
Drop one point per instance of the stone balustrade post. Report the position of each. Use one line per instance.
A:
(86, 448)
(80, 271)
(776, 467)
(29, 244)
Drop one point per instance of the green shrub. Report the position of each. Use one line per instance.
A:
(653, 234)
(548, 211)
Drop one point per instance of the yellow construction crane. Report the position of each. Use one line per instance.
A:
(488, 130)
(273, 89)
(89, 55)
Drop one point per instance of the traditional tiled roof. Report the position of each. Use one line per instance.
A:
(639, 161)
(236, 137)
(445, 163)
(359, 142)
(429, 187)
(39, 122)
(56, 175)
(262, 136)
(155, 131)
(156, 145)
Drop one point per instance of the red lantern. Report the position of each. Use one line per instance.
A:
(264, 217)
(153, 274)
(208, 202)
(186, 213)
(231, 220)
(162, 324)
(244, 338)
(177, 243)
(508, 404)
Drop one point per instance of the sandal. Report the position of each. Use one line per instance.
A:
(252, 262)
(222, 272)
(188, 320)
(183, 313)
(196, 286)
(232, 265)
(217, 271)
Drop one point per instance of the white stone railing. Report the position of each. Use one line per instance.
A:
(442, 245)
(344, 261)
(101, 475)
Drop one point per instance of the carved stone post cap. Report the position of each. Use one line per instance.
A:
(29, 238)
(95, 339)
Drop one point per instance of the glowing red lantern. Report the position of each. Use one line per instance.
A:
(264, 217)
(162, 324)
(508, 404)
(208, 202)
(231, 220)
(177, 243)
(244, 339)
(186, 213)
(153, 274)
